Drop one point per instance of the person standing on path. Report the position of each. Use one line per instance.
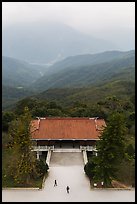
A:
(67, 189)
(55, 183)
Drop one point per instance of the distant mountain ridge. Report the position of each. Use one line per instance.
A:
(83, 77)
(20, 73)
(90, 59)
(85, 70)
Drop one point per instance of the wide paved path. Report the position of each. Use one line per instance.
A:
(67, 169)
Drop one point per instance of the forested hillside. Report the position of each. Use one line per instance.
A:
(67, 96)
(16, 73)
(83, 71)
(10, 95)
(87, 78)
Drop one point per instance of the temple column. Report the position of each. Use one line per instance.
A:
(37, 154)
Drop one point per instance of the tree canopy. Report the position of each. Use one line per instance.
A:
(111, 148)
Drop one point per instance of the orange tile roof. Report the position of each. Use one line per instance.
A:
(67, 128)
(34, 125)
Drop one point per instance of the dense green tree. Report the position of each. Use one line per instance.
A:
(111, 147)
(130, 150)
(78, 112)
(109, 105)
(53, 105)
(27, 102)
(132, 116)
(23, 163)
(7, 117)
(39, 111)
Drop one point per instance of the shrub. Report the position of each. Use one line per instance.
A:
(41, 167)
(89, 168)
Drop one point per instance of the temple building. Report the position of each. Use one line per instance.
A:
(66, 133)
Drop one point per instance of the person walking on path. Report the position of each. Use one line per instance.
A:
(55, 183)
(67, 189)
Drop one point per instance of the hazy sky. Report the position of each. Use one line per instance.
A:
(113, 22)
(89, 17)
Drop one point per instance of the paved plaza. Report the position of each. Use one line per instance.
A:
(67, 169)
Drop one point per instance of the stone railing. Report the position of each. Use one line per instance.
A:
(43, 148)
(88, 148)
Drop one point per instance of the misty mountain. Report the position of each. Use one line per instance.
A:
(17, 73)
(88, 59)
(85, 70)
(48, 42)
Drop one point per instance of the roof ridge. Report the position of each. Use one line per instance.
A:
(66, 118)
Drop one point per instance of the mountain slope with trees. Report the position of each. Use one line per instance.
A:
(122, 89)
(110, 73)
(16, 73)
(10, 95)
(70, 74)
